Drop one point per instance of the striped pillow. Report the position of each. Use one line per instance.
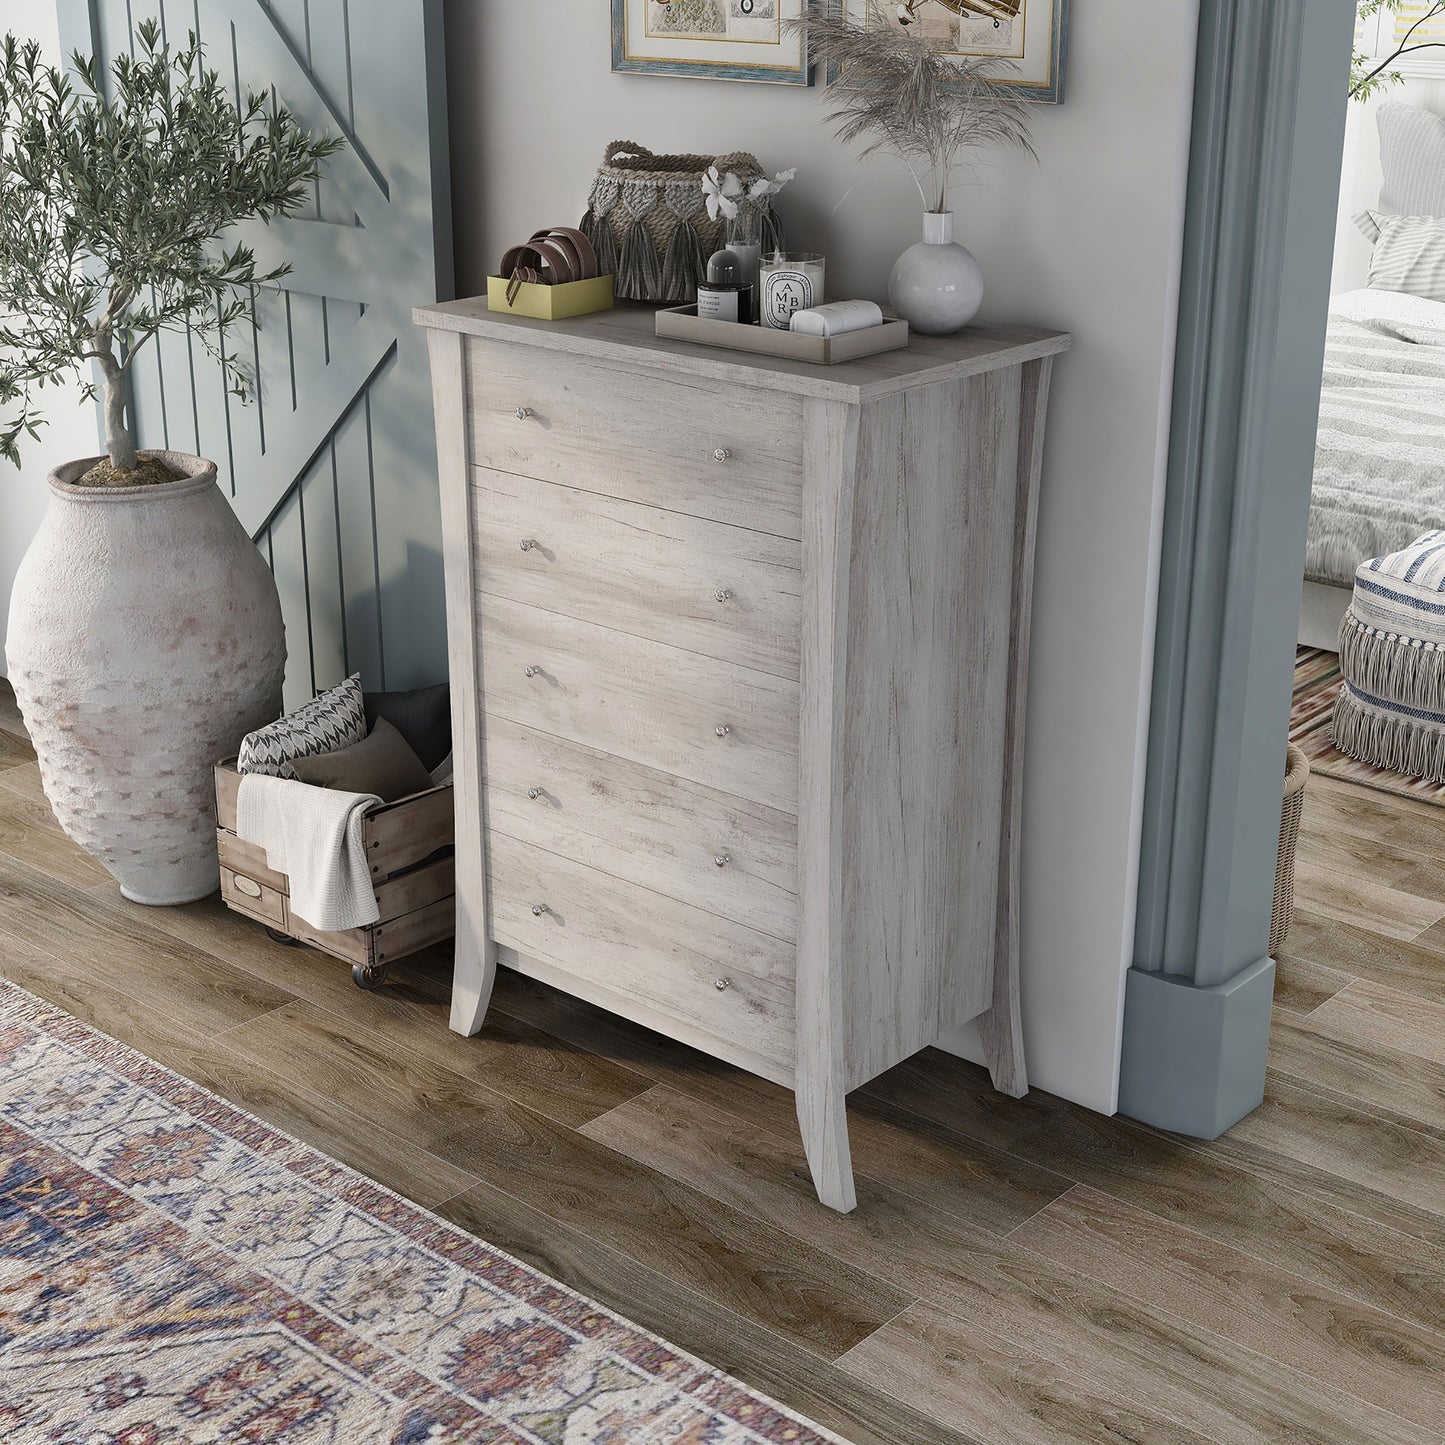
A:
(1403, 594)
(1409, 253)
(1412, 156)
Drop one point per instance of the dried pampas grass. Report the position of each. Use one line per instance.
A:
(906, 97)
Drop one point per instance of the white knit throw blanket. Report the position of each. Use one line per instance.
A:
(313, 835)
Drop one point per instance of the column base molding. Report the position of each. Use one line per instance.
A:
(1194, 1057)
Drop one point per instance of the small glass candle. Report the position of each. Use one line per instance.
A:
(745, 240)
(788, 281)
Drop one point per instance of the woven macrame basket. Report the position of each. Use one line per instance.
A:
(1297, 774)
(647, 220)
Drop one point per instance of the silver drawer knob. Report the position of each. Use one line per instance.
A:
(722, 730)
(535, 793)
(533, 671)
(538, 909)
(722, 454)
(723, 859)
(722, 984)
(724, 594)
(523, 412)
(529, 544)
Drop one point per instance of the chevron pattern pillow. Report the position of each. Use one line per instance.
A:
(330, 721)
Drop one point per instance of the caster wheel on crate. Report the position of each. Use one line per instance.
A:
(368, 977)
(277, 937)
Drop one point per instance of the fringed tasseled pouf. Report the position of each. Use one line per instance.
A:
(1391, 709)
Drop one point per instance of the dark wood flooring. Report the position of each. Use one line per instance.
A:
(1016, 1271)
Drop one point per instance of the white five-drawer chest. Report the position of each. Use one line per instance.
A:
(739, 649)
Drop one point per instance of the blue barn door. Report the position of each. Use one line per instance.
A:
(332, 468)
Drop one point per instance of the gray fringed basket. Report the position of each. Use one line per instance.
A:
(1297, 774)
(647, 220)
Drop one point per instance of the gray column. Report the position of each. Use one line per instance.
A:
(1270, 99)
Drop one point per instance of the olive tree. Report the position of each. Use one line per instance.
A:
(116, 189)
(1369, 73)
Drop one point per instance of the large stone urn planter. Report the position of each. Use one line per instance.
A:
(145, 641)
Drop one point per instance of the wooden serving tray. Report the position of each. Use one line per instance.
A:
(682, 323)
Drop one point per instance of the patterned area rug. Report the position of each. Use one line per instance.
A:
(1316, 681)
(173, 1271)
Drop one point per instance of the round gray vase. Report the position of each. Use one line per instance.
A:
(145, 641)
(936, 285)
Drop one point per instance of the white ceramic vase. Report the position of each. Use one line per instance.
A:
(936, 285)
(145, 641)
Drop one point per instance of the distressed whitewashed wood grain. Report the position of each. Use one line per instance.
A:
(657, 705)
(647, 827)
(1001, 1025)
(624, 337)
(921, 783)
(645, 436)
(476, 965)
(667, 959)
(830, 482)
(720, 590)
(622, 721)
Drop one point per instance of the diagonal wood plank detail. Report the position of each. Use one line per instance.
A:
(342, 404)
(339, 121)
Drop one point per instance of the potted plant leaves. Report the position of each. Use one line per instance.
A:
(145, 634)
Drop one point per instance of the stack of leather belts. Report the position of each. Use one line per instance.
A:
(549, 258)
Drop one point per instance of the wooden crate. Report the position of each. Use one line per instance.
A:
(409, 846)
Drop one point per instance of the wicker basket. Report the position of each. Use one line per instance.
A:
(647, 220)
(1297, 772)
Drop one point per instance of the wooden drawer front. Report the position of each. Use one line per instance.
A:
(642, 700)
(253, 897)
(640, 435)
(720, 590)
(663, 957)
(723, 854)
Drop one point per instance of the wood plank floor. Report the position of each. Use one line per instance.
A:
(1016, 1271)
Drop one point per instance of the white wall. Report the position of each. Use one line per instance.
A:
(1361, 176)
(72, 429)
(1088, 240)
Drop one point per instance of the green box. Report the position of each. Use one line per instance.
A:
(551, 303)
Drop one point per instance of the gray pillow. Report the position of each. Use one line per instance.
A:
(422, 716)
(331, 720)
(1409, 253)
(1412, 156)
(381, 763)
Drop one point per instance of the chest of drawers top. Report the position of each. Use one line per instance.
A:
(625, 337)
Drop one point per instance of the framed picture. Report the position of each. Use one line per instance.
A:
(713, 39)
(1030, 34)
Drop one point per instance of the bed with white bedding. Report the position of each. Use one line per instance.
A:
(1379, 478)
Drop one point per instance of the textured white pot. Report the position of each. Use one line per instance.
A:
(936, 285)
(145, 641)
